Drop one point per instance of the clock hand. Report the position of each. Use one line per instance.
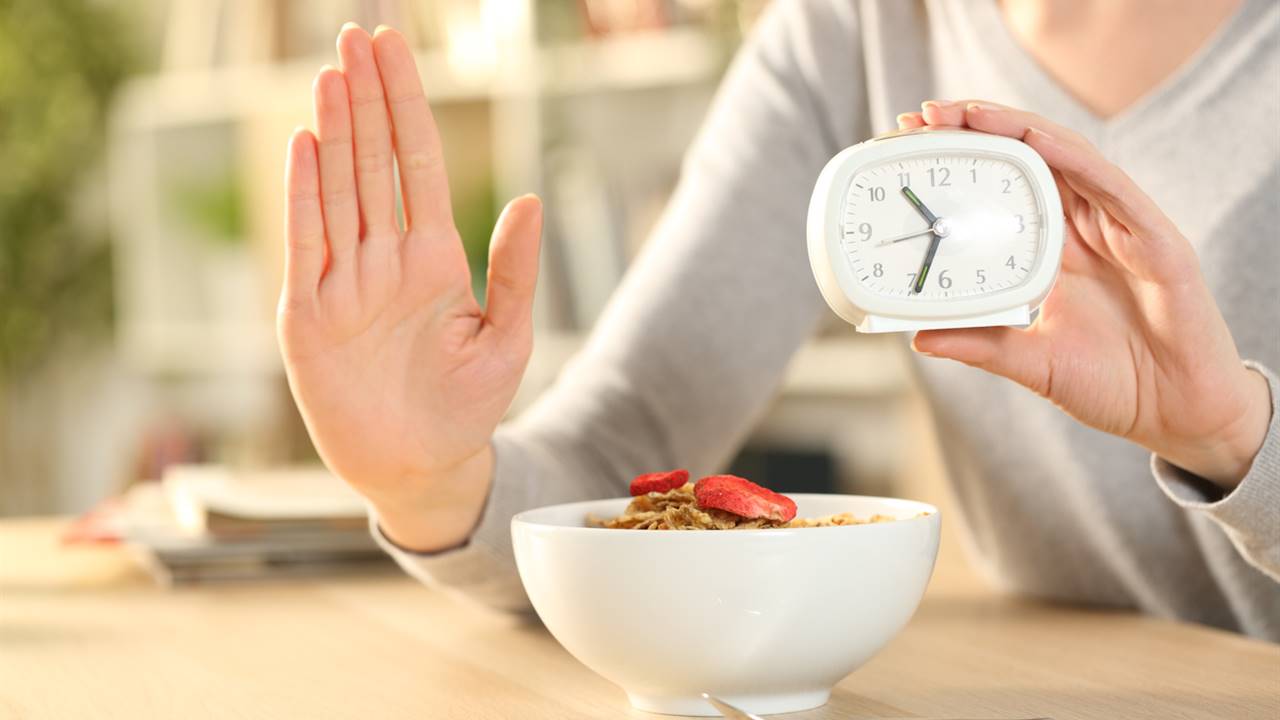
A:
(928, 261)
(936, 227)
(919, 206)
(908, 236)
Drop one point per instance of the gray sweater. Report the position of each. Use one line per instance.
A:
(695, 342)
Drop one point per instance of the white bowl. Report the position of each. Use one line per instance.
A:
(769, 620)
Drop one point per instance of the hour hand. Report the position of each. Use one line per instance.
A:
(919, 206)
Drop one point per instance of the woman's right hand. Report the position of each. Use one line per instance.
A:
(400, 375)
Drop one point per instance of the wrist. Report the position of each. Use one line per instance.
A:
(1225, 459)
(436, 512)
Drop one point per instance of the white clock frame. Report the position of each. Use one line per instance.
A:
(872, 313)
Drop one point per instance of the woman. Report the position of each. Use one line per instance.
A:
(1155, 481)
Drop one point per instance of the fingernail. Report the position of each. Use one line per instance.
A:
(380, 28)
(902, 118)
(297, 129)
(1037, 131)
(979, 107)
(936, 104)
(348, 25)
(326, 67)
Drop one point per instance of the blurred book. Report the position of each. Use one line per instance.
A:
(207, 523)
(213, 500)
(607, 17)
(585, 222)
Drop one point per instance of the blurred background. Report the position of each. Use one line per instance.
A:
(141, 152)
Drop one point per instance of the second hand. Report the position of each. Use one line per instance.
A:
(908, 236)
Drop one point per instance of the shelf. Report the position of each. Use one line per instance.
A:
(254, 105)
(627, 62)
(202, 350)
(174, 99)
(632, 61)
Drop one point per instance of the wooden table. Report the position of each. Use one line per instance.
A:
(84, 634)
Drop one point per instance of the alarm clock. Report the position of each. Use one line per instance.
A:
(935, 228)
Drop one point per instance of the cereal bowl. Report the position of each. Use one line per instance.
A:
(769, 620)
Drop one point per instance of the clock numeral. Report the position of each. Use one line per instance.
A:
(973, 173)
(982, 276)
(944, 282)
(876, 193)
(911, 279)
(942, 178)
(1007, 184)
(878, 270)
(904, 179)
(865, 229)
(1010, 263)
(1022, 225)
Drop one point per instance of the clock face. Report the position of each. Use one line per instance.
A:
(987, 226)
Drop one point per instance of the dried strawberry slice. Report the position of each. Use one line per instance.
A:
(743, 497)
(658, 482)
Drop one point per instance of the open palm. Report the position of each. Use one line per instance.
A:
(399, 373)
(1130, 340)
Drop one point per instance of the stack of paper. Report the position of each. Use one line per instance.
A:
(209, 523)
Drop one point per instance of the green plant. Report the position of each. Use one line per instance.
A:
(60, 60)
(216, 206)
(475, 213)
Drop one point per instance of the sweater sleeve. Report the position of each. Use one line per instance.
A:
(1249, 514)
(697, 338)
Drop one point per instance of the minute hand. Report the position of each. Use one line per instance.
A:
(928, 261)
(933, 244)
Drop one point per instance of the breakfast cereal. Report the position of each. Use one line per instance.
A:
(717, 502)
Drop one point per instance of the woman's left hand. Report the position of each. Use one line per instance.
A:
(1130, 340)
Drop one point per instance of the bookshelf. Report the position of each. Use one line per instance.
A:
(529, 106)
(226, 120)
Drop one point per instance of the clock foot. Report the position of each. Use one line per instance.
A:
(880, 324)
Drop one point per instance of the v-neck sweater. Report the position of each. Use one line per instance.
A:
(696, 340)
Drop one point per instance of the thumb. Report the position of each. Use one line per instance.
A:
(513, 264)
(1019, 355)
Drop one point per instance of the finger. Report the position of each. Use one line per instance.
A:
(304, 223)
(1101, 180)
(910, 121)
(1077, 256)
(942, 112)
(1030, 128)
(417, 140)
(1019, 355)
(371, 130)
(337, 168)
(1158, 252)
(513, 264)
(999, 119)
(1152, 248)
